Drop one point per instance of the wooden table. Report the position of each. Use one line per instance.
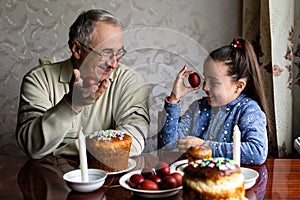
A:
(278, 179)
(22, 178)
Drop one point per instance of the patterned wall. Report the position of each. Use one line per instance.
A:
(161, 36)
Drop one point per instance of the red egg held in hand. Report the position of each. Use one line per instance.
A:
(88, 81)
(194, 80)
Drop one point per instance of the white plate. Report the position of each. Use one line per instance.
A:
(179, 166)
(131, 165)
(250, 177)
(146, 193)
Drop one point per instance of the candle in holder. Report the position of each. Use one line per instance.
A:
(82, 157)
(237, 145)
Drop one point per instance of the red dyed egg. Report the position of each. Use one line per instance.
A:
(178, 178)
(135, 180)
(162, 169)
(88, 81)
(147, 172)
(148, 185)
(168, 182)
(194, 79)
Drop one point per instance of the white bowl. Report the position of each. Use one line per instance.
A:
(96, 180)
(250, 177)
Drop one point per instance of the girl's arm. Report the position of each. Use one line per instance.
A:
(254, 142)
(175, 126)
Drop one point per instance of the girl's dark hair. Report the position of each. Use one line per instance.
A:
(83, 26)
(242, 62)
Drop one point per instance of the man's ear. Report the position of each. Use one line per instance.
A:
(240, 85)
(76, 50)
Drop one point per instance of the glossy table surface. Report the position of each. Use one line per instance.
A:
(22, 178)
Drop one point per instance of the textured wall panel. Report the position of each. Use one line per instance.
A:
(161, 36)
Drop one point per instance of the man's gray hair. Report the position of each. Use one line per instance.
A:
(83, 26)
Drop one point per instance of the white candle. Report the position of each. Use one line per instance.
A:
(82, 157)
(237, 145)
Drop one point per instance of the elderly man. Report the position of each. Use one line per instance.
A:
(55, 102)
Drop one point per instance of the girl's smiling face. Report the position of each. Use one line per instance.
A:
(218, 86)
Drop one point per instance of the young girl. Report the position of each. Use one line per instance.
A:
(235, 96)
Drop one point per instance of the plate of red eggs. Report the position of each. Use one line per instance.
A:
(158, 182)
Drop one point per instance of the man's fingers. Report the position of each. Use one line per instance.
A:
(102, 88)
(76, 74)
(104, 85)
(89, 91)
(87, 95)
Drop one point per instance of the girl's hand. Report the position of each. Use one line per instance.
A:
(187, 142)
(179, 88)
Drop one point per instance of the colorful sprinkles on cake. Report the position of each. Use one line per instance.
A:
(220, 163)
(107, 135)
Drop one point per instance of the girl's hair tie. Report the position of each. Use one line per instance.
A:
(236, 43)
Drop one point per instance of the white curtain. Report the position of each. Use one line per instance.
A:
(271, 27)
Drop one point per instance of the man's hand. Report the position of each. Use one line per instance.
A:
(187, 142)
(80, 96)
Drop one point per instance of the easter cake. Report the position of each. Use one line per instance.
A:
(214, 178)
(108, 150)
(198, 152)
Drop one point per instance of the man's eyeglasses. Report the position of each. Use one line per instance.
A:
(106, 54)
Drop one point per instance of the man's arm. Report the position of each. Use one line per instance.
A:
(43, 118)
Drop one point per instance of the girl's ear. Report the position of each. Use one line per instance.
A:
(240, 85)
(76, 50)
